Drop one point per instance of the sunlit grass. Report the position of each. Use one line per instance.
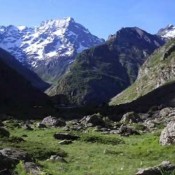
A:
(92, 154)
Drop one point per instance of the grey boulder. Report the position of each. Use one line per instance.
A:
(167, 136)
(53, 122)
(164, 167)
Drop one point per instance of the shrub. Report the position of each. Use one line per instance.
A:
(101, 139)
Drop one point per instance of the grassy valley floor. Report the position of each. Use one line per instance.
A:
(93, 154)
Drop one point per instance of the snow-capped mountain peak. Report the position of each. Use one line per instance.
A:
(51, 39)
(57, 24)
(168, 32)
(49, 43)
(20, 28)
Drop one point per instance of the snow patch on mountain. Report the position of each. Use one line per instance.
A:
(168, 32)
(52, 39)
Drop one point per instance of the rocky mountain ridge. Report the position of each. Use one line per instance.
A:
(168, 32)
(29, 75)
(158, 70)
(49, 48)
(103, 71)
(17, 95)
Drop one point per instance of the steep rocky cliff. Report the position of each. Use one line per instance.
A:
(158, 70)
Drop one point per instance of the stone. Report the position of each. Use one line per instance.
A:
(167, 136)
(114, 132)
(93, 120)
(165, 166)
(32, 168)
(97, 129)
(75, 128)
(29, 122)
(10, 157)
(15, 154)
(149, 171)
(150, 124)
(65, 142)
(126, 131)
(4, 132)
(144, 116)
(67, 136)
(41, 125)
(165, 112)
(130, 117)
(27, 127)
(57, 158)
(66, 128)
(74, 125)
(53, 122)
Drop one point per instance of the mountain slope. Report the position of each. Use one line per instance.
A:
(25, 72)
(103, 71)
(17, 95)
(162, 96)
(155, 72)
(49, 48)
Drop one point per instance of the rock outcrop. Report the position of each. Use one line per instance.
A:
(167, 136)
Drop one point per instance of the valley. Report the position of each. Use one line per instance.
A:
(92, 145)
(74, 104)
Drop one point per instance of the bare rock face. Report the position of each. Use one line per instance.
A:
(167, 136)
(157, 70)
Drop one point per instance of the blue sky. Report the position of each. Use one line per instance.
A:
(101, 17)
